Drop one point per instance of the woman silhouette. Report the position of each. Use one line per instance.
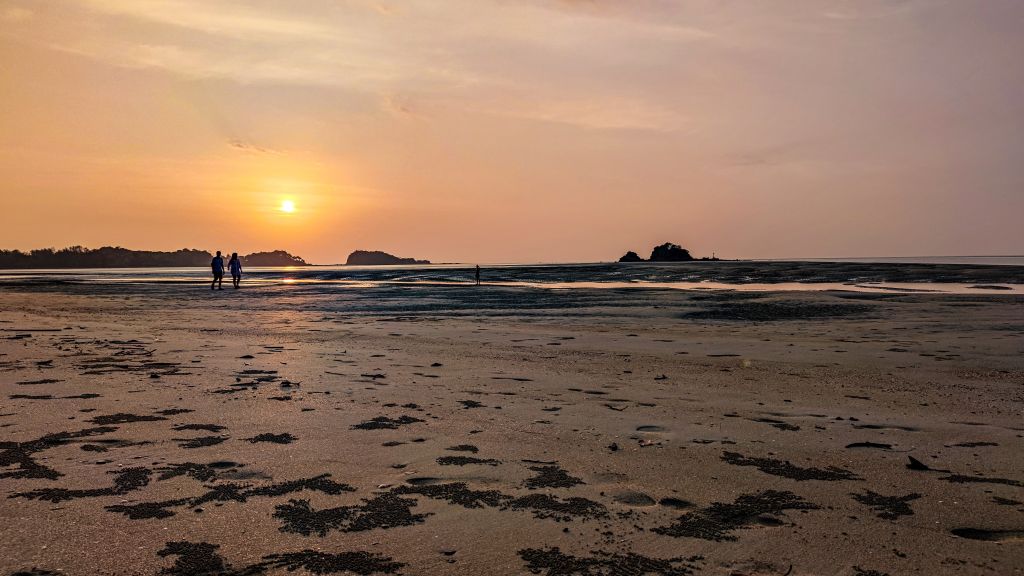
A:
(235, 265)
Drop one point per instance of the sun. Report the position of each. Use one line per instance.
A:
(287, 206)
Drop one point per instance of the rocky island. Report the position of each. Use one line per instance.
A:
(377, 258)
(274, 258)
(666, 252)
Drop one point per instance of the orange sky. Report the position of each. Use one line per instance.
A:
(514, 131)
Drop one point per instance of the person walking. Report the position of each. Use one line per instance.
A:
(477, 274)
(218, 271)
(235, 266)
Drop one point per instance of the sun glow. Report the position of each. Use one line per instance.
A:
(287, 206)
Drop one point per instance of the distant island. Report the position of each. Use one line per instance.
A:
(117, 257)
(377, 258)
(275, 258)
(666, 252)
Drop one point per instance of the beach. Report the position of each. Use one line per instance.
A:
(415, 428)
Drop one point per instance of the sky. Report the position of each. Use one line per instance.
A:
(514, 130)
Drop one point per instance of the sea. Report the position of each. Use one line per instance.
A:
(946, 274)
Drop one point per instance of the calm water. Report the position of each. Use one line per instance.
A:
(968, 260)
(895, 275)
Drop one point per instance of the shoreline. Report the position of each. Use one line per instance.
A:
(463, 431)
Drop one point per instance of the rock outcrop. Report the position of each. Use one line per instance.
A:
(669, 252)
(377, 258)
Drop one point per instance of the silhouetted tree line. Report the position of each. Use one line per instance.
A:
(117, 257)
(275, 258)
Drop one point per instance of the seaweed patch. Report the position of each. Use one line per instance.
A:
(464, 460)
(284, 438)
(554, 562)
(385, 511)
(887, 507)
(787, 470)
(385, 423)
(201, 442)
(123, 418)
(551, 476)
(125, 481)
(203, 559)
(19, 454)
(718, 521)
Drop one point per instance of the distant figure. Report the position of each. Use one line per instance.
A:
(235, 266)
(477, 274)
(218, 271)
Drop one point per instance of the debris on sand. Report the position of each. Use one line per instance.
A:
(787, 470)
(551, 477)
(554, 562)
(20, 454)
(284, 438)
(465, 460)
(887, 507)
(385, 511)
(122, 418)
(718, 521)
(385, 423)
(125, 481)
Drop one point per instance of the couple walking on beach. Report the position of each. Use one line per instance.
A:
(235, 265)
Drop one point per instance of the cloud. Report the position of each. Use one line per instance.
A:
(245, 146)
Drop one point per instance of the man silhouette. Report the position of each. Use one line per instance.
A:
(477, 274)
(218, 271)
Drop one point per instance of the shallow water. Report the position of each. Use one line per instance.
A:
(727, 275)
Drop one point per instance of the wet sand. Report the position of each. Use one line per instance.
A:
(165, 429)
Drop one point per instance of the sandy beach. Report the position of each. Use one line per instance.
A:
(165, 429)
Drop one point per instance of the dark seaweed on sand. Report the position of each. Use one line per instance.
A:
(787, 470)
(553, 562)
(20, 453)
(463, 448)
(718, 521)
(385, 511)
(122, 418)
(201, 472)
(201, 442)
(858, 571)
(385, 423)
(547, 506)
(321, 483)
(284, 438)
(174, 411)
(202, 559)
(541, 505)
(125, 481)
(195, 559)
(887, 507)
(551, 477)
(781, 425)
(148, 510)
(962, 479)
(227, 492)
(315, 562)
(205, 427)
(464, 460)
(457, 493)
(777, 311)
